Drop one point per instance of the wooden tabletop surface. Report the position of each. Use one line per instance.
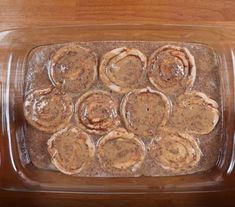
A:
(33, 13)
(28, 13)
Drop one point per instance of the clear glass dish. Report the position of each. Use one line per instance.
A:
(16, 172)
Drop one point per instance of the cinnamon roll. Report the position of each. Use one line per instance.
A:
(73, 69)
(48, 109)
(144, 111)
(175, 151)
(120, 151)
(195, 113)
(172, 69)
(96, 112)
(71, 150)
(123, 69)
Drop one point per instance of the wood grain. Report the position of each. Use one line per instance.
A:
(21, 199)
(32, 13)
(28, 13)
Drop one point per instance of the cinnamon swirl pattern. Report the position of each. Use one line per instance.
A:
(48, 109)
(175, 151)
(144, 111)
(73, 69)
(195, 113)
(121, 151)
(96, 112)
(123, 69)
(172, 69)
(71, 150)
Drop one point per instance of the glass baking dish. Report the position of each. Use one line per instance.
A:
(17, 173)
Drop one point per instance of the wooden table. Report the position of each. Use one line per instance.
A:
(29, 13)
(24, 13)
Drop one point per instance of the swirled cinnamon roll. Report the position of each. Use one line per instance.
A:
(96, 112)
(172, 69)
(195, 113)
(144, 111)
(48, 109)
(71, 150)
(120, 151)
(175, 151)
(73, 69)
(123, 69)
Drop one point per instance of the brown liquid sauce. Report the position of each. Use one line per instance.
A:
(207, 81)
